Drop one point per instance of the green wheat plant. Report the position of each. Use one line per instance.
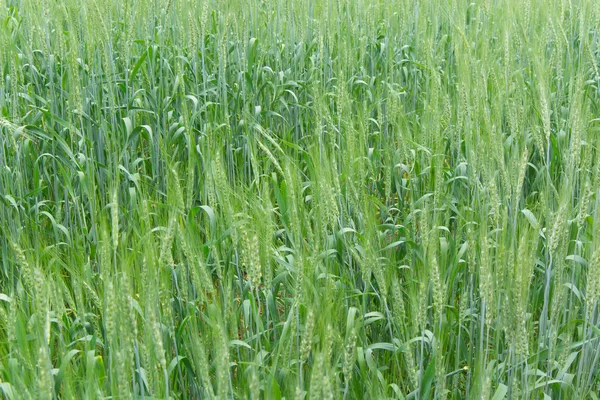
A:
(289, 199)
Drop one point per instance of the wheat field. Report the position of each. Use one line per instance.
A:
(290, 199)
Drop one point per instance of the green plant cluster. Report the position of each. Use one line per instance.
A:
(290, 199)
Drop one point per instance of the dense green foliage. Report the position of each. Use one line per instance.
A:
(299, 199)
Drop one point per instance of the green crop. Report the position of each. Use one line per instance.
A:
(291, 199)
